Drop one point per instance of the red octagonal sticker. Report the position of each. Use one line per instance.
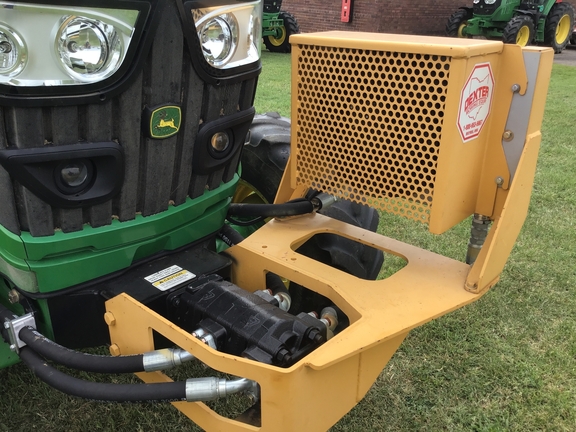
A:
(475, 101)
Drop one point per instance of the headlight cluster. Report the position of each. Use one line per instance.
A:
(230, 36)
(43, 45)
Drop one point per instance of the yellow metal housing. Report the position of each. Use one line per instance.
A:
(377, 119)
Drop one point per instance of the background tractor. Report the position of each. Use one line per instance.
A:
(277, 26)
(148, 209)
(513, 21)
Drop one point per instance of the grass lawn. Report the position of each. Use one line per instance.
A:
(506, 362)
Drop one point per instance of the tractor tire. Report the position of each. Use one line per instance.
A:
(281, 44)
(559, 26)
(264, 159)
(457, 22)
(519, 30)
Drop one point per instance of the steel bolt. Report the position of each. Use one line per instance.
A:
(6, 325)
(13, 297)
(110, 319)
(516, 88)
(508, 135)
(499, 181)
(13, 348)
(114, 350)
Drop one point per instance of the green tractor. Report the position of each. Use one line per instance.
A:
(277, 26)
(515, 21)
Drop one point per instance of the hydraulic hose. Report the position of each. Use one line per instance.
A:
(147, 362)
(191, 390)
(229, 235)
(77, 360)
(175, 391)
(292, 208)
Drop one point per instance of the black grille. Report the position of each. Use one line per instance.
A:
(157, 172)
(482, 8)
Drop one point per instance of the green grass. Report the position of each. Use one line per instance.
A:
(504, 363)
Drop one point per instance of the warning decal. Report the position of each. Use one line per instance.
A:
(475, 101)
(169, 277)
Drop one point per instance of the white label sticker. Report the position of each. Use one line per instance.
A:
(169, 277)
(475, 101)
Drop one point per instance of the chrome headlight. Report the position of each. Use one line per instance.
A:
(230, 36)
(45, 45)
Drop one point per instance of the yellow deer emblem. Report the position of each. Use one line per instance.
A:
(166, 123)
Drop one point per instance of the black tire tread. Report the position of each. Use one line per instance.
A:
(556, 13)
(455, 20)
(291, 26)
(510, 32)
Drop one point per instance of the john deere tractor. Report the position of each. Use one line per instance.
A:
(147, 209)
(518, 22)
(277, 27)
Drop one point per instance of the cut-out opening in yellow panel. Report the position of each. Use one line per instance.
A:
(351, 256)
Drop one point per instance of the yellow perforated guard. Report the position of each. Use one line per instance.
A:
(384, 107)
(369, 122)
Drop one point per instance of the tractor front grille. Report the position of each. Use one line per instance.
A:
(157, 172)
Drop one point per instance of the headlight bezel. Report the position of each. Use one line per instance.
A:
(45, 95)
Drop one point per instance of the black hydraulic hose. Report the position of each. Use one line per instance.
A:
(229, 235)
(292, 208)
(77, 360)
(174, 391)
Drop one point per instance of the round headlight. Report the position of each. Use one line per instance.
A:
(12, 52)
(218, 37)
(89, 49)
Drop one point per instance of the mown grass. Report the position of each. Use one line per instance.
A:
(504, 363)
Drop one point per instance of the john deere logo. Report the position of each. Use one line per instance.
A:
(165, 122)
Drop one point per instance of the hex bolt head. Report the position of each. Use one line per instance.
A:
(13, 348)
(508, 135)
(515, 88)
(115, 350)
(499, 181)
(110, 319)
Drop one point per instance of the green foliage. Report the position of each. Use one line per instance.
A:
(506, 362)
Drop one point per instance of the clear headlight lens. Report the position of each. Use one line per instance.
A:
(490, 1)
(219, 39)
(88, 48)
(230, 35)
(58, 45)
(12, 52)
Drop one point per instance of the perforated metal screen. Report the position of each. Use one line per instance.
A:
(369, 125)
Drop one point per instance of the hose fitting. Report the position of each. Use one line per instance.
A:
(165, 359)
(210, 388)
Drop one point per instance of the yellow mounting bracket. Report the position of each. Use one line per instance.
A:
(416, 126)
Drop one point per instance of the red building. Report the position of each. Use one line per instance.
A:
(426, 17)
